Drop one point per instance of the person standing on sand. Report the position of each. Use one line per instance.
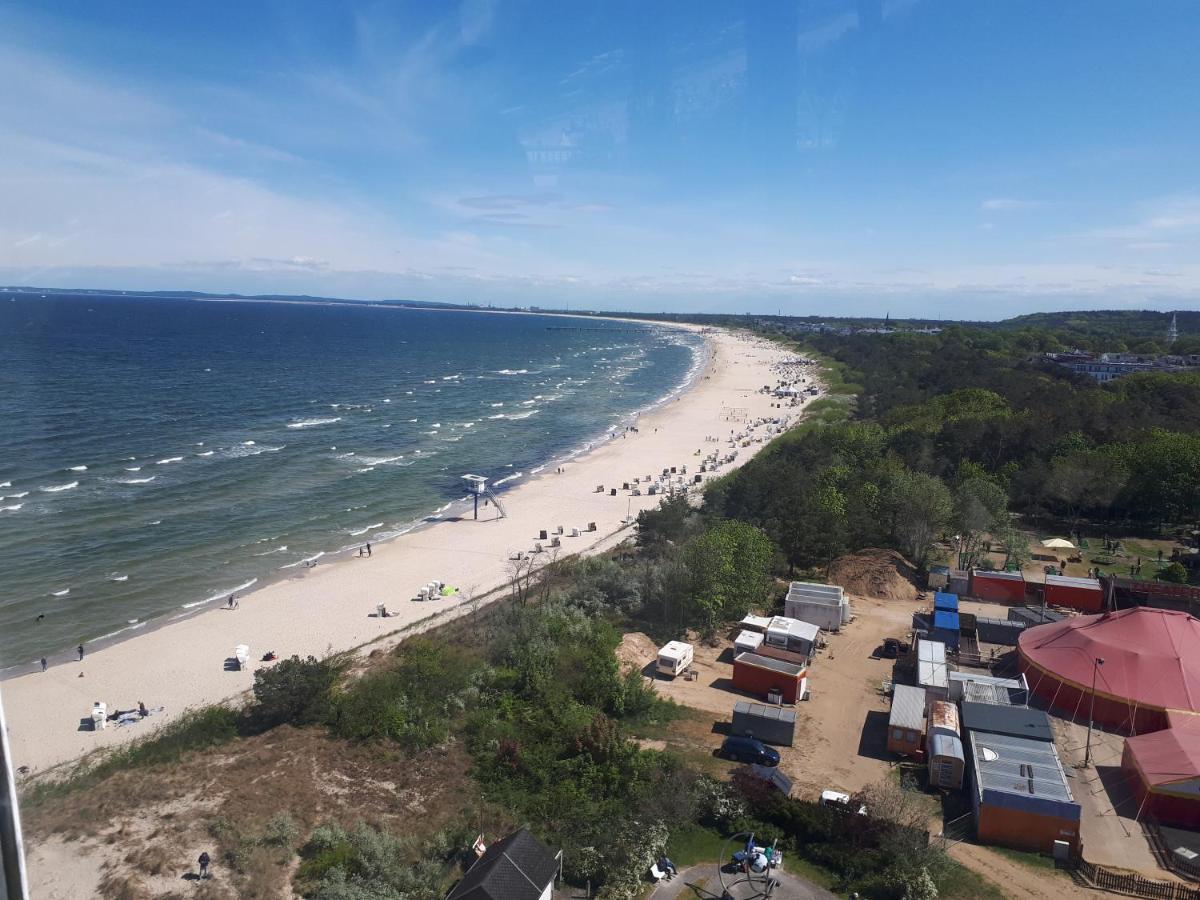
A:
(204, 860)
(80, 649)
(45, 665)
(368, 550)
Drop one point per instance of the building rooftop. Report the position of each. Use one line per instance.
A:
(1016, 721)
(908, 707)
(1073, 581)
(763, 662)
(765, 711)
(517, 868)
(1013, 765)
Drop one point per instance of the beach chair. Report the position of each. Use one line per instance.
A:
(656, 874)
(99, 715)
(242, 654)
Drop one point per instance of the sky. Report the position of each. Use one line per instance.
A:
(811, 157)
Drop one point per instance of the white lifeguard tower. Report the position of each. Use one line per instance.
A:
(477, 486)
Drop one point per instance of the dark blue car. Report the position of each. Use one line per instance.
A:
(748, 750)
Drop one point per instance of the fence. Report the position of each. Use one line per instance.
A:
(1133, 885)
(1166, 858)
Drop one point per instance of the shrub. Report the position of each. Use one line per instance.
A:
(294, 691)
(1174, 573)
(281, 831)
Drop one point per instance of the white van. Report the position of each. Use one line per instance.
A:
(674, 658)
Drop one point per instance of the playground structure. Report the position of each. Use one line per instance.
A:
(746, 873)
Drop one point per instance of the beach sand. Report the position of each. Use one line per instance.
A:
(331, 607)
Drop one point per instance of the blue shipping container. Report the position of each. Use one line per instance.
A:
(945, 628)
(945, 601)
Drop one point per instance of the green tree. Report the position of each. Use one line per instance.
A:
(919, 507)
(730, 567)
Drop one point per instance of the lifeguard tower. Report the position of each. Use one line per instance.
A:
(477, 486)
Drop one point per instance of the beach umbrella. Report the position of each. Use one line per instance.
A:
(1058, 544)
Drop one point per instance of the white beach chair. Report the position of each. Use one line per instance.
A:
(99, 716)
(242, 654)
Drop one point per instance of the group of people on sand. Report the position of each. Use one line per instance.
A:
(365, 550)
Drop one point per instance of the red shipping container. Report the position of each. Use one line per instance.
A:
(758, 675)
(1002, 587)
(1084, 594)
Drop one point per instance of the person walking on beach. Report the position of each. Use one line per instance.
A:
(368, 550)
(204, 860)
(45, 665)
(80, 649)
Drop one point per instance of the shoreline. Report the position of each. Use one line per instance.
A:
(701, 355)
(332, 608)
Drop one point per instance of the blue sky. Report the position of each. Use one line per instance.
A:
(923, 158)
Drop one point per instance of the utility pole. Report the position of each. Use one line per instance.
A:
(1087, 754)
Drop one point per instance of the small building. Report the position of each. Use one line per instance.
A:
(946, 601)
(906, 724)
(1084, 594)
(1004, 632)
(756, 623)
(1015, 721)
(520, 867)
(946, 761)
(792, 634)
(1020, 797)
(977, 687)
(945, 628)
(673, 658)
(1029, 616)
(788, 656)
(939, 577)
(824, 605)
(766, 722)
(747, 641)
(1163, 768)
(931, 669)
(959, 582)
(943, 718)
(1002, 587)
(761, 675)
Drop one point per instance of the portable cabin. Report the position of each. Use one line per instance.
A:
(768, 723)
(945, 601)
(792, 634)
(747, 641)
(756, 623)
(760, 675)
(824, 605)
(945, 628)
(1084, 594)
(946, 761)
(906, 724)
(674, 657)
(1020, 796)
(959, 582)
(931, 669)
(943, 718)
(1002, 587)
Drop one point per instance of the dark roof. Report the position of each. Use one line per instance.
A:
(1017, 721)
(516, 868)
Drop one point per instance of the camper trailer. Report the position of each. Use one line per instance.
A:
(674, 658)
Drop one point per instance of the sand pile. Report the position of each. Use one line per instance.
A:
(636, 651)
(883, 574)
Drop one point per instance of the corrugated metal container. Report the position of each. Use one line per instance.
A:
(998, 631)
(759, 674)
(770, 724)
(943, 718)
(959, 582)
(747, 642)
(1077, 593)
(906, 723)
(1029, 616)
(946, 761)
(824, 605)
(1005, 691)
(945, 628)
(939, 577)
(1002, 587)
(798, 659)
(943, 600)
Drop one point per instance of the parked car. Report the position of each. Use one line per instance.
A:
(841, 802)
(894, 647)
(748, 750)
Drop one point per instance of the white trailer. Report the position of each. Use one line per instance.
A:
(674, 657)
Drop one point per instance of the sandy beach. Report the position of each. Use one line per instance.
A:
(332, 607)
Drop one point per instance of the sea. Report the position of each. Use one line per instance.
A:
(159, 454)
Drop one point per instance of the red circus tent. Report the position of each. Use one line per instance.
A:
(1151, 665)
(1165, 771)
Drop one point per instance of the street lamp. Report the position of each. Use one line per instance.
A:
(1087, 755)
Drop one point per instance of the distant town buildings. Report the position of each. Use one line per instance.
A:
(1107, 366)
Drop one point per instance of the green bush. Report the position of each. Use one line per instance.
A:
(294, 691)
(369, 864)
(1174, 573)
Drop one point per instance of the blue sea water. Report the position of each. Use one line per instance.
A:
(157, 454)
